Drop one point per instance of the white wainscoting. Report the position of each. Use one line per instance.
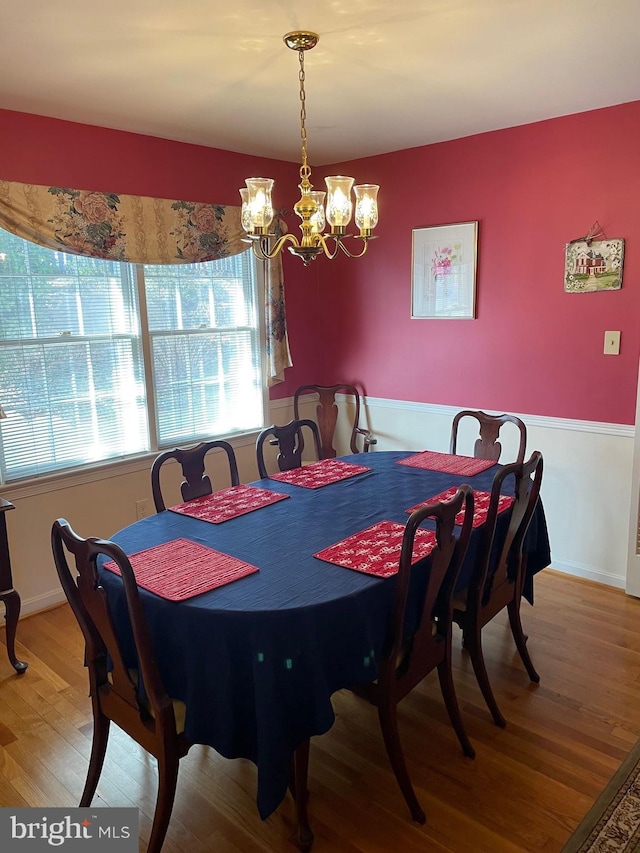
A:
(586, 490)
(586, 486)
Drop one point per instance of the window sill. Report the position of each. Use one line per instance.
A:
(100, 471)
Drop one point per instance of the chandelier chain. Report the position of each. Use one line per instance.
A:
(305, 171)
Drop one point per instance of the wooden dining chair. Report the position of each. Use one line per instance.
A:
(487, 445)
(134, 699)
(327, 416)
(409, 659)
(289, 439)
(192, 461)
(497, 578)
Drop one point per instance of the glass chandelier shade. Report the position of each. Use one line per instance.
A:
(257, 207)
(366, 207)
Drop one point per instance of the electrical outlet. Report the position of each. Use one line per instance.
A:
(612, 343)
(142, 509)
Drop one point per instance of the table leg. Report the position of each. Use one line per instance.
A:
(303, 836)
(11, 601)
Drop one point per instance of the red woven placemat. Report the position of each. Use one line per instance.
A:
(465, 466)
(321, 473)
(376, 550)
(480, 505)
(228, 503)
(182, 569)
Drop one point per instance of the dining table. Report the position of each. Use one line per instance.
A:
(256, 660)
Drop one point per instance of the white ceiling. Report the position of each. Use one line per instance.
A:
(386, 74)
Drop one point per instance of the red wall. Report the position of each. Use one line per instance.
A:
(533, 348)
(39, 150)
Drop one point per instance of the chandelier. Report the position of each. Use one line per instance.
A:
(257, 208)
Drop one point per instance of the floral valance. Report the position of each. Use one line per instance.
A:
(142, 230)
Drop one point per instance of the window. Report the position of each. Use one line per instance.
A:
(100, 360)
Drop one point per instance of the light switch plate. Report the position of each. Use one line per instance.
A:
(612, 343)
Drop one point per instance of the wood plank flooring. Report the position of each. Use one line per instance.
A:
(527, 789)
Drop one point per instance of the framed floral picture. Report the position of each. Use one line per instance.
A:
(592, 265)
(443, 272)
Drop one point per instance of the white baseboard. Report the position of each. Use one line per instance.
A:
(45, 601)
(586, 573)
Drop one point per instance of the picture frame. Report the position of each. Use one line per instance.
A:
(443, 272)
(593, 265)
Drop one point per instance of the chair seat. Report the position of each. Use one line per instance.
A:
(180, 712)
(460, 599)
(179, 708)
(404, 652)
(407, 645)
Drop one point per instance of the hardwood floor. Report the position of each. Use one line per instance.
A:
(527, 789)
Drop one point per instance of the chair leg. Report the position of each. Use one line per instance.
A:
(167, 781)
(387, 713)
(521, 641)
(474, 643)
(451, 704)
(303, 836)
(98, 750)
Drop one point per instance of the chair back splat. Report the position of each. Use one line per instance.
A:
(497, 579)
(408, 658)
(327, 416)
(487, 445)
(131, 693)
(196, 483)
(289, 439)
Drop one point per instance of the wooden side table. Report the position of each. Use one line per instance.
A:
(8, 594)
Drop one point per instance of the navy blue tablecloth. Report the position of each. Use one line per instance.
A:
(256, 661)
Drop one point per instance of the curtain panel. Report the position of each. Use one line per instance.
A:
(143, 230)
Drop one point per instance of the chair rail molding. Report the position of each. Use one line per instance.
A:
(625, 430)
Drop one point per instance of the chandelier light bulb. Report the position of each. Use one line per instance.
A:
(366, 214)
